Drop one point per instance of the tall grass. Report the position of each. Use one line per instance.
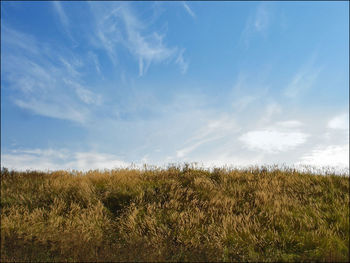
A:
(174, 214)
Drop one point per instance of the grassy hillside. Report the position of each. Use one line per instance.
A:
(174, 214)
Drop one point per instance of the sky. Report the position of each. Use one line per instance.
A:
(94, 85)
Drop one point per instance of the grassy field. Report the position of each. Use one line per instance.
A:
(174, 214)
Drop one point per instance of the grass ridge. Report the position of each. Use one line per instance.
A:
(179, 213)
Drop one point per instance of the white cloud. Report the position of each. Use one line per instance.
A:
(188, 9)
(331, 155)
(340, 122)
(51, 159)
(273, 141)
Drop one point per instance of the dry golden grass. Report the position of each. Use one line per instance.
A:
(174, 214)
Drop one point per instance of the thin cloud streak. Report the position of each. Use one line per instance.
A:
(54, 109)
(304, 79)
(61, 14)
(96, 62)
(188, 10)
(257, 23)
(262, 19)
(180, 60)
(64, 20)
(213, 130)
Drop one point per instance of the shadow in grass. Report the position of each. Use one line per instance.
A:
(117, 202)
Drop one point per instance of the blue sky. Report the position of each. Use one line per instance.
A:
(89, 85)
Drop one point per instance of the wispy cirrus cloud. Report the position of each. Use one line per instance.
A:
(257, 23)
(272, 109)
(85, 95)
(18, 40)
(248, 90)
(48, 83)
(213, 129)
(303, 79)
(243, 102)
(261, 19)
(96, 62)
(182, 62)
(63, 18)
(54, 109)
(118, 26)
